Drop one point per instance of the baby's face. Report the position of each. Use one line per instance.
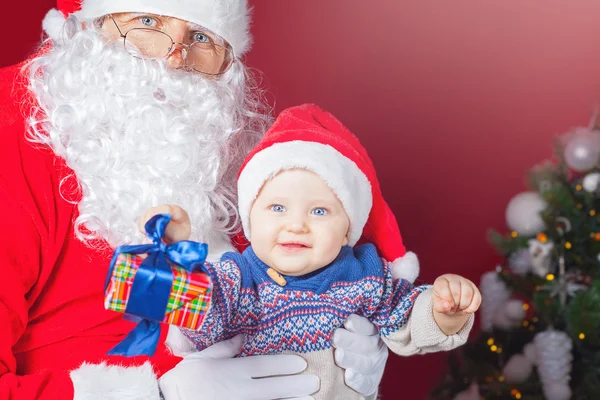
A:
(297, 223)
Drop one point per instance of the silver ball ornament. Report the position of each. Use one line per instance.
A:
(581, 153)
(591, 182)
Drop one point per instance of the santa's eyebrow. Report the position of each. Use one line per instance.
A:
(140, 14)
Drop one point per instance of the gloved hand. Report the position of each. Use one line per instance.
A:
(213, 374)
(362, 353)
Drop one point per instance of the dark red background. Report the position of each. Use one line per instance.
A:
(453, 99)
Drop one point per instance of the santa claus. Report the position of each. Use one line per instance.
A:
(130, 104)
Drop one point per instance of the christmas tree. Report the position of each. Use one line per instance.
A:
(540, 315)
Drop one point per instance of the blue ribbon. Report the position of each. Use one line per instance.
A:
(151, 287)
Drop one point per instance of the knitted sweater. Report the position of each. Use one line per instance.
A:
(301, 316)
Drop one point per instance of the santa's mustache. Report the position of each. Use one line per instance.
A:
(137, 135)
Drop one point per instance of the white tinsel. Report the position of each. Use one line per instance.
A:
(494, 294)
(557, 391)
(554, 357)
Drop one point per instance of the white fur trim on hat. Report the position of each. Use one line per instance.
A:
(53, 24)
(229, 19)
(406, 267)
(114, 382)
(341, 174)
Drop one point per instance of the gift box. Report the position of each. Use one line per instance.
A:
(154, 283)
(189, 297)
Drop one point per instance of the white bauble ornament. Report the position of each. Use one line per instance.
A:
(541, 257)
(502, 321)
(514, 310)
(581, 152)
(494, 295)
(520, 262)
(510, 315)
(472, 393)
(523, 213)
(529, 352)
(518, 369)
(591, 182)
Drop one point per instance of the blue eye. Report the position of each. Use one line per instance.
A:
(148, 21)
(200, 37)
(319, 211)
(277, 208)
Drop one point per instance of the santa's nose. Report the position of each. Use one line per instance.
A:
(176, 59)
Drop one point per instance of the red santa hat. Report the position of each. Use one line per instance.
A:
(229, 19)
(309, 138)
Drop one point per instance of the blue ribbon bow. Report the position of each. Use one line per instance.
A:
(151, 287)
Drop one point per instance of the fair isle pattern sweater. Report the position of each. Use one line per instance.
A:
(301, 316)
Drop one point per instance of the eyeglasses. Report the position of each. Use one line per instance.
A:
(206, 57)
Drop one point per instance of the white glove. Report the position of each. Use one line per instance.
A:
(362, 353)
(213, 374)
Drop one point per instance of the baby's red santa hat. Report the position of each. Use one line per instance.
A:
(229, 19)
(309, 138)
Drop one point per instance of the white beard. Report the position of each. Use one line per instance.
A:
(137, 135)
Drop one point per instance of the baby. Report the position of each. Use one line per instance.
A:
(307, 194)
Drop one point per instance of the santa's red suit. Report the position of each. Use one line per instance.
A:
(51, 288)
(55, 332)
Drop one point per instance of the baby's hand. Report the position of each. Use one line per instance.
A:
(180, 227)
(454, 295)
(454, 298)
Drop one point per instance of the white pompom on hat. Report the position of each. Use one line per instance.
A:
(229, 19)
(310, 138)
